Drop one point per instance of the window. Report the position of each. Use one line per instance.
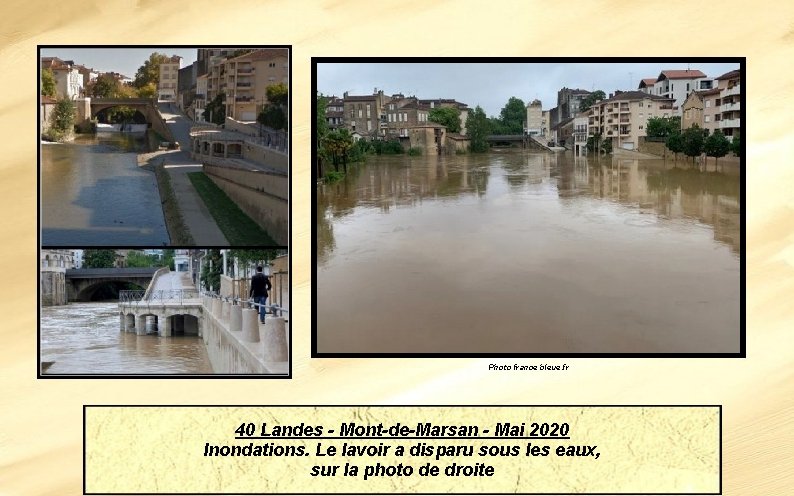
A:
(687, 87)
(352, 113)
(717, 102)
(368, 111)
(359, 113)
(708, 103)
(687, 114)
(707, 118)
(640, 127)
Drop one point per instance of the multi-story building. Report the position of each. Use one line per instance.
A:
(447, 102)
(702, 108)
(53, 265)
(580, 122)
(365, 114)
(68, 80)
(334, 112)
(200, 101)
(568, 102)
(534, 126)
(623, 116)
(730, 101)
(87, 73)
(186, 86)
(403, 113)
(676, 84)
(246, 78)
(167, 83)
(545, 123)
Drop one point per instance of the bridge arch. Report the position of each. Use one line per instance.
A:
(104, 289)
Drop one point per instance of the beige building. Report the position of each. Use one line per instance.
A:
(365, 114)
(430, 137)
(403, 113)
(166, 85)
(200, 101)
(622, 117)
(692, 111)
(729, 102)
(534, 125)
(247, 77)
(580, 122)
(447, 102)
(53, 265)
(545, 123)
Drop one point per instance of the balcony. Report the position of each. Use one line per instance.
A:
(625, 120)
(243, 85)
(731, 107)
(730, 123)
(735, 90)
(244, 99)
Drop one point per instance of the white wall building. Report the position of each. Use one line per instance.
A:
(169, 72)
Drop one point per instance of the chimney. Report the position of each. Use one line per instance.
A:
(344, 95)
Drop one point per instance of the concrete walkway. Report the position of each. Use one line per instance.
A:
(178, 164)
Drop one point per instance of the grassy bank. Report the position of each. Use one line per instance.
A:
(177, 229)
(238, 228)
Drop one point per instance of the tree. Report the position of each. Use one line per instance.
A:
(513, 115)
(272, 116)
(211, 270)
(48, 83)
(478, 130)
(662, 127)
(215, 111)
(336, 145)
(693, 141)
(168, 259)
(448, 117)
(104, 86)
(736, 145)
(62, 120)
(716, 145)
(121, 114)
(99, 259)
(139, 259)
(321, 128)
(590, 99)
(147, 91)
(278, 94)
(675, 143)
(149, 72)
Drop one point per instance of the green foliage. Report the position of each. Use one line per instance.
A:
(448, 117)
(215, 111)
(104, 86)
(593, 142)
(693, 141)
(321, 124)
(390, 147)
(121, 114)
(333, 176)
(99, 259)
(139, 259)
(149, 72)
(278, 94)
(662, 127)
(272, 116)
(717, 145)
(414, 151)
(62, 120)
(606, 146)
(211, 270)
(255, 257)
(675, 143)
(736, 145)
(360, 150)
(590, 99)
(168, 259)
(148, 91)
(478, 130)
(512, 116)
(337, 145)
(48, 83)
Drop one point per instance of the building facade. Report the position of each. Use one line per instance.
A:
(534, 125)
(167, 83)
(247, 77)
(677, 84)
(68, 80)
(730, 101)
(622, 118)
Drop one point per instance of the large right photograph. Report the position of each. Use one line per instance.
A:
(528, 207)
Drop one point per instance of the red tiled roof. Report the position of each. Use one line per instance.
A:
(262, 54)
(647, 82)
(48, 99)
(681, 74)
(731, 74)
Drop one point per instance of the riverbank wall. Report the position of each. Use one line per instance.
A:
(237, 344)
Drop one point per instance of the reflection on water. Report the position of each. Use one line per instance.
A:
(94, 193)
(526, 252)
(84, 338)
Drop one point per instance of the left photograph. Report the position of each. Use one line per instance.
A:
(164, 312)
(164, 146)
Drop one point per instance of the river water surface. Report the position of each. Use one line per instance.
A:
(84, 338)
(517, 252)
(94, 193)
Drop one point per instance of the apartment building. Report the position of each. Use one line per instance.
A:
(365, 114)
(729, 102)
(534, 123)
(245, 79)
(68, 80)
(334, 112)
(200, 100)
(167, 83)
(87, 73)
(677, 84)
(580, 122)
(702, 108)
(569, 100)
(623, 116)
(404, 113)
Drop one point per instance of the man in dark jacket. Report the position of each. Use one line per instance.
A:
(260, 285)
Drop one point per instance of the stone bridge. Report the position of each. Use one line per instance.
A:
(146, 106)
(162, 312)
(525, 141)
(81, 284)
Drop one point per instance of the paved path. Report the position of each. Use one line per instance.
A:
(199, 221)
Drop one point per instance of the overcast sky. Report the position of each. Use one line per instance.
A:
(490, 85)
(123, 60)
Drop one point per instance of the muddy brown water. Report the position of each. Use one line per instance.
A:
(515, 251)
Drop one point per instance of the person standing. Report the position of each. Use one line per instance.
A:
(260, 285)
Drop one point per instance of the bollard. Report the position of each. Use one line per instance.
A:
(225, 312)
(275, 340)
(236, 318)
(250, 324)
(216, 307)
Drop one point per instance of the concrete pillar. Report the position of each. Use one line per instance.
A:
(216, 307)
(275, 340)
(225, 311)
(129, 322)
(250, 325)
(140, 325)
(165, 327)
(122, 323)
(236, 318)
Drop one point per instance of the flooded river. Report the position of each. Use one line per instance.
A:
(84, 338)
(516, 251)
(94, 193)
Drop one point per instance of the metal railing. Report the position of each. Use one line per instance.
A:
(274, 310)
(163, 295)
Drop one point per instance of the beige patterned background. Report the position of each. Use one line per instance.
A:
(40, 420)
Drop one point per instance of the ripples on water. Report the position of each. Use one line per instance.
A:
(84, 338)
(94, 193)
(528, 252)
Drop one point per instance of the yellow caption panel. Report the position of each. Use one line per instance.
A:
(266, 450)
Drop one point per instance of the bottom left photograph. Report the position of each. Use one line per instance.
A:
(164, 312)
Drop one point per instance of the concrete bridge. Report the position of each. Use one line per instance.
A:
(169, 306)
(524, 140)
(146, 106)
(82, 284)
